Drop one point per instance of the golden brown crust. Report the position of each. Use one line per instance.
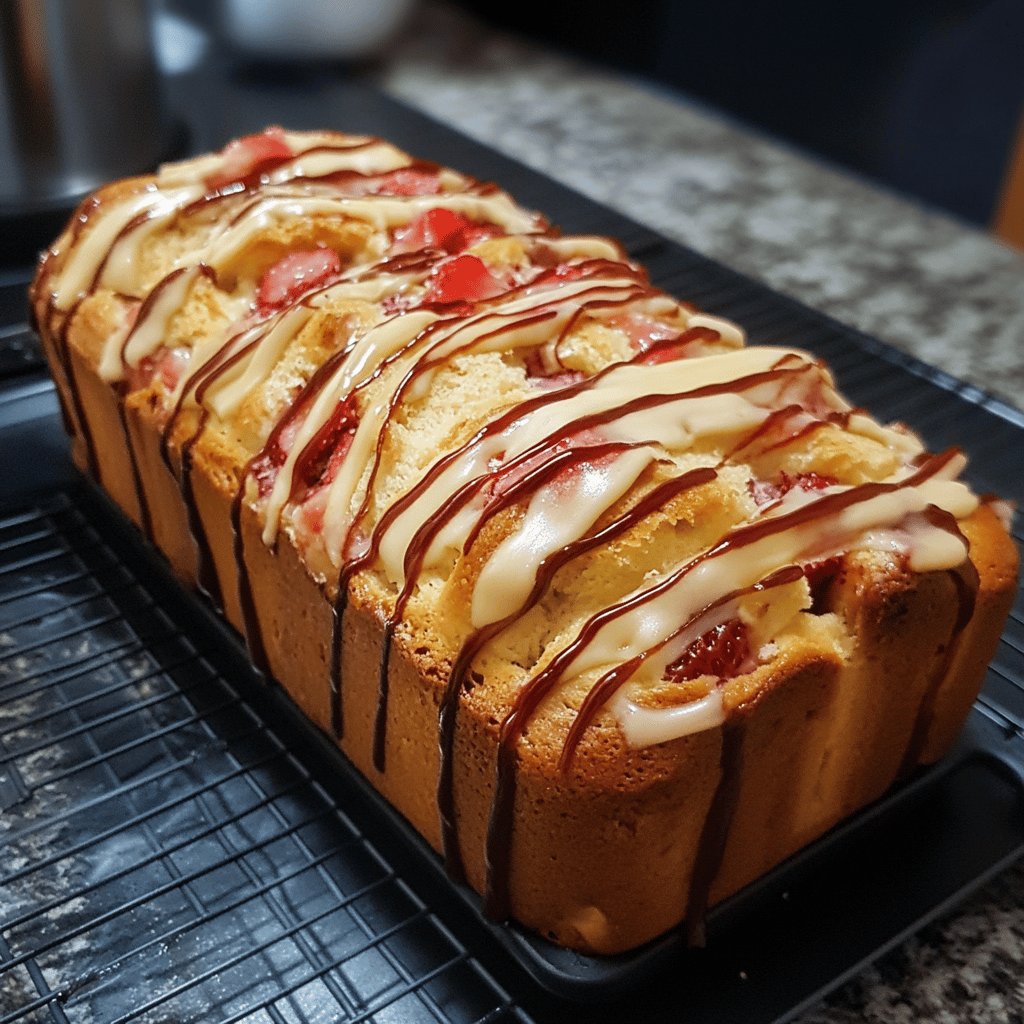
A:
(602, 855)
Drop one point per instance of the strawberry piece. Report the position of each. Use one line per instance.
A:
(565, 479)
(168, 365)
(465, 278)
(407, 181)
(323, 455)
(643, 331)
(812, 481)
(293, 275)
(721, 651)
(440, 228)
(264, 470)
(249, 155)
(766, 491)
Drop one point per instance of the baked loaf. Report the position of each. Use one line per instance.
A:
(618, 612)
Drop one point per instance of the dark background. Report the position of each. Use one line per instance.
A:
(923, 96)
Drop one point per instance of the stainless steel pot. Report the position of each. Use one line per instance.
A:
(80, 97)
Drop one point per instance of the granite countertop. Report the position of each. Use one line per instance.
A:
(917, 279)
(921, 281)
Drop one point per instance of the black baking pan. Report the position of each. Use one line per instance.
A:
(177, 843)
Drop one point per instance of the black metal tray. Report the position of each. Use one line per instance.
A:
(177, 843)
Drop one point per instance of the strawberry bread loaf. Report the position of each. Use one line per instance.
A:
(618, 611)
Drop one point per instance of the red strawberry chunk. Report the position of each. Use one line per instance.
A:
(465, 278)
(766, 491)
(722, 651)
(244, 157)
(294, 275)
(168, 365)
(643, 331)
(407, 181)
(323, 455)
(440, 228)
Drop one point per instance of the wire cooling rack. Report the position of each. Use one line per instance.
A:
(164, 855)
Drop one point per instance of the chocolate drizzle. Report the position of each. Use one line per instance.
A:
(966, 581)
(206, 569)
(145, 516)
(83, 430)
(715, 833)
(251, 628)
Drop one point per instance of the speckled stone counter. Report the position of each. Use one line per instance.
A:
(916, 279)
(919, 280)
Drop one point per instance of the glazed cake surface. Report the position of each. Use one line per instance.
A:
(617, 610)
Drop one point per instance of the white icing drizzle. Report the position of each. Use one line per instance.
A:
(106, 223)
(383, 212)
(553, 520)
(230, 388)
(150, 329)
(644, 726)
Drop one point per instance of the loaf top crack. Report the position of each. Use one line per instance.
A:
(580, 506)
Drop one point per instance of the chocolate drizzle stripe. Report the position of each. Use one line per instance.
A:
(63, 349)
(251, 628)
(145, 516)
(966, 581)
(337, 635)
(206, 569)
(775, 420)
(714, 835)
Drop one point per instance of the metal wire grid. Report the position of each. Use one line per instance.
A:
(162, 855)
